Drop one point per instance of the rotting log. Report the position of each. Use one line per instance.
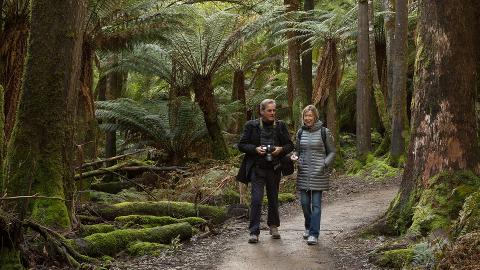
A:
(154, 221)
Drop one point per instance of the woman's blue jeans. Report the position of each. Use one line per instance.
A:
(312, 210)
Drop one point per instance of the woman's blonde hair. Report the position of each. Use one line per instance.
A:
(313, 109)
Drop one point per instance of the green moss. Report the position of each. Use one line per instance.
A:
(397, 258)
(113, 242)
(163, 208)
(10, 259)
(282, 198)
(440, 203)
(86, 230)
(145, 248)
(158, 221)
(374, 168)
(51, 212)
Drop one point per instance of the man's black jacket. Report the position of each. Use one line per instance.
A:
(251, 139)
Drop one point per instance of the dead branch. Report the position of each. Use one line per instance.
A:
(35, 196)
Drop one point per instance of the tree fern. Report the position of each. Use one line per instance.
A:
(154, 124)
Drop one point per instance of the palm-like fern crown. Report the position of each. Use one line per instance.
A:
(116, 24)
(214, 39)
(153, 123)
(153, 60)
(316, 26)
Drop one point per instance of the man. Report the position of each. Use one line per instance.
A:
(261, 165)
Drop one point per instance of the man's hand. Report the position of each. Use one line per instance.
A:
(278, 150)
(260, 150)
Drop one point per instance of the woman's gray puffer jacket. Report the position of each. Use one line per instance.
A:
(313, 164)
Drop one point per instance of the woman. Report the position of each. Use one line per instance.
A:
(315, 154)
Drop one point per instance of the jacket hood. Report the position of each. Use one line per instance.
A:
(315, 127)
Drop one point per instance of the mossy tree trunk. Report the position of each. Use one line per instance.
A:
(13, 49)
(203, 88)
(363, 122)
(39, 159)
(399, 84)
(443, 129)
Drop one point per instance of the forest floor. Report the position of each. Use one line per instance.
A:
(350, 205)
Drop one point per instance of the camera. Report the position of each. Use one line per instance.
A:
(268, 151)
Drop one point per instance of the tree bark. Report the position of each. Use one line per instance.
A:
(443, 131)
(363, 89)
(115, 82)
(13, 50)
(202, 85)
(41, 147)
(238, 93)
(389, 25)
(307, 64)
(399, 84)
(295, 68)
(85, 134)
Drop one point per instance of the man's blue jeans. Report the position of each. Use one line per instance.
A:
(312, 210)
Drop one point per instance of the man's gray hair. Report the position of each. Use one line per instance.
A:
(265, 102)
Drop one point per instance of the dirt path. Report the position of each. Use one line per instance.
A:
(291, 252)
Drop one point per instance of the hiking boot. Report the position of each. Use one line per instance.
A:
(274, 232)
(253, 239)
(312, 240)
(306, 233)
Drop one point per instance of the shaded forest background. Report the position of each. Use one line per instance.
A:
(143, 98)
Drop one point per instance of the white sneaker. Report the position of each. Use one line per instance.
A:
(306, 233)
(312, 240)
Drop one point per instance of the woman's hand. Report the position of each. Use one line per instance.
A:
(294, 157)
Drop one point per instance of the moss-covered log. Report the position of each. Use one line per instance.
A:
(111, 243)
(163, 208)
(145, 248)
(396, 259)
(86, 230)
(40, 152)
(154, 221)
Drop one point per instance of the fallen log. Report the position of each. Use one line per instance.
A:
(154, 221)
(93, 163)
(162, 208)
(111, 243)
(127, 167)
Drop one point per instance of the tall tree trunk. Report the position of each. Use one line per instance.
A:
(238, 93)
(295, 68)
(202, 85)
(40, 152)
(443, 131)
(13, 50)
(363, 87)
(399, 84)
(389, 25)
(85, 135)
(115, 82)
(307, 64)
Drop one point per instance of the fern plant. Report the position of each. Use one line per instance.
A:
(153, 124)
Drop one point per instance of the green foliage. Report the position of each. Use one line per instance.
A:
(374, 168)
(152, 123)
